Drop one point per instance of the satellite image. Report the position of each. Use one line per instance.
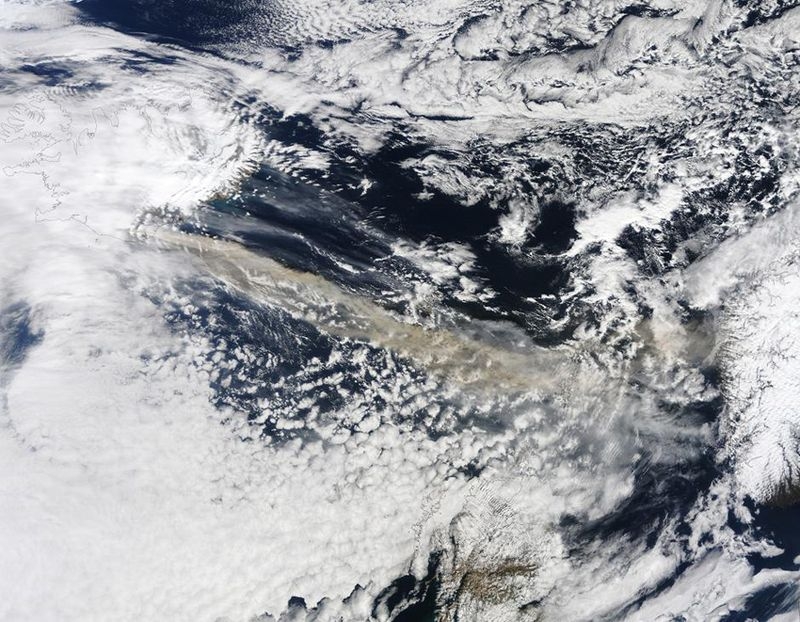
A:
(400, 310)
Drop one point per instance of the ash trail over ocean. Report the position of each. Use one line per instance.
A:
(401, 311)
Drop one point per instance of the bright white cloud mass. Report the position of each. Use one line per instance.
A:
(350, 311)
